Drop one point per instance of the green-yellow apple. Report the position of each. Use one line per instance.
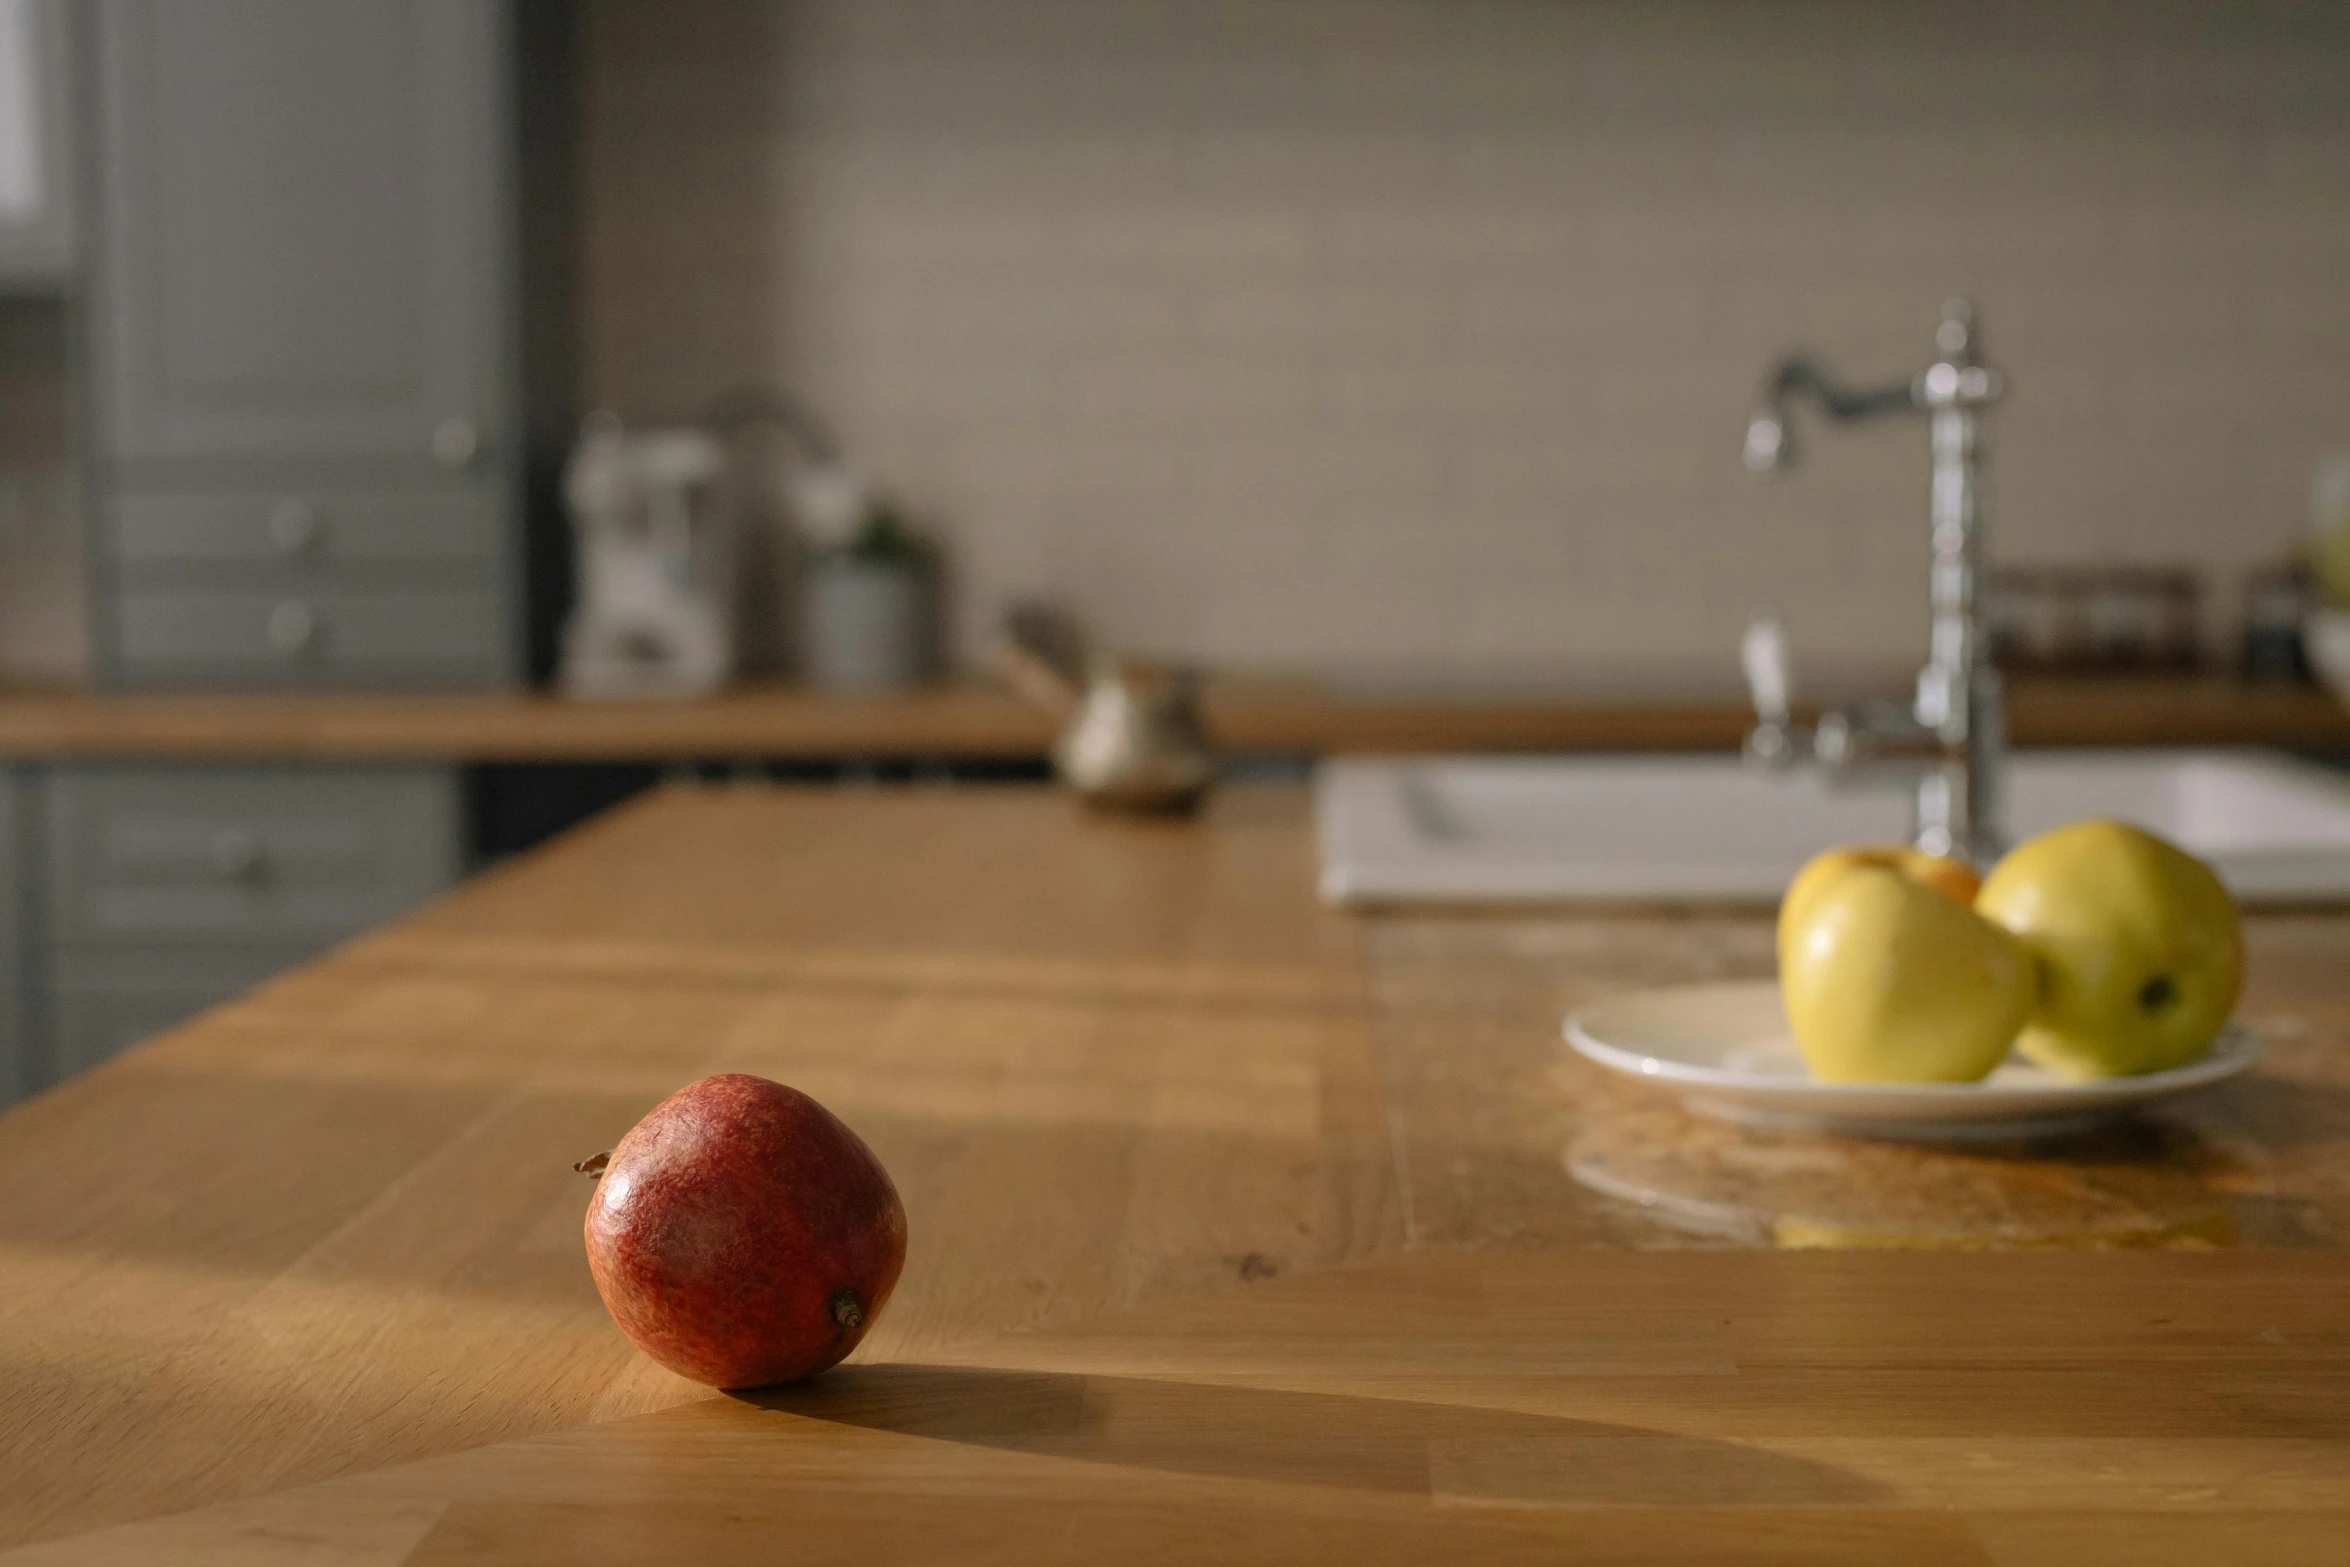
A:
(1954, 879)
(1888, 976)
(2139, 946)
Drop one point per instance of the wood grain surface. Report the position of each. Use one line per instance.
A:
(1509, 1139)
(334, 1225)
(302, 1281)
(1579, 1406)
(1249, 713)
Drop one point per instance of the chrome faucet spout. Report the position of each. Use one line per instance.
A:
(1951, 737)
(1770, 437)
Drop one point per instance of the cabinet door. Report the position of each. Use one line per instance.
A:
(20, 1072)
(302, 247)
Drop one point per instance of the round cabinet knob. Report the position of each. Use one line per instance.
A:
(455, 442)
(293, 526)
(293, 627)
(237, 854)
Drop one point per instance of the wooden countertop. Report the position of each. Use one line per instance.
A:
(1219, 1251)
(1245, 713)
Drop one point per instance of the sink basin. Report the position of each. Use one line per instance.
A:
(1518, 829)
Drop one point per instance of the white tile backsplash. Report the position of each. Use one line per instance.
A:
(1418, 333)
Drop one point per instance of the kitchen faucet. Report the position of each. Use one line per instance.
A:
(1950, 736)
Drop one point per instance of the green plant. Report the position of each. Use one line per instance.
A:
(885, 538)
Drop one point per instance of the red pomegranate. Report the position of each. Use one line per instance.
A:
(741, 1235)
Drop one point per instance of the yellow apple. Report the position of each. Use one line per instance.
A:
(1887, 974)
(1954, 879)
(2139, 946)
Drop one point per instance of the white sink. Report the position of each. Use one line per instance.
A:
(1518, 829)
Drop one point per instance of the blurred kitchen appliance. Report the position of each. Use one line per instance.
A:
(655, 615)
(1131, 736)
(2110, 619)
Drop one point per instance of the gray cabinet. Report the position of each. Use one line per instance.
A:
(302, 207)
(380, 636)
(22, 1063)
(137, 895)
(337, 583)
(243, 855)
(306, 534)
(307, 360)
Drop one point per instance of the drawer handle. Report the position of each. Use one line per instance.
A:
(238, 855)
(293, 526)
(293, 627)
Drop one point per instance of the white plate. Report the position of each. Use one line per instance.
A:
(1726, 1050)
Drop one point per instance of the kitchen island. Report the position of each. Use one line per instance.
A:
(1241, 1230)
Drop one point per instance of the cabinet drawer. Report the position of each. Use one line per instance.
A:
(296, 855)
(305, 529)
(193, 638)
(105, 1002)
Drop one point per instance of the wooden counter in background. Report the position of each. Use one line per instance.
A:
(1256, 714)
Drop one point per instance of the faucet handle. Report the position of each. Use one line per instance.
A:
(1774, 741)
(1954, 334)
(1770, 445)
(1763, 652)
